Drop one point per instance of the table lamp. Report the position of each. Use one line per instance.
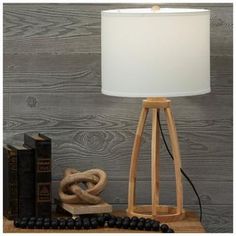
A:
(155, 53)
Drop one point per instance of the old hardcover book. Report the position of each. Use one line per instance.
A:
(10, 186)
(42, 147)
(19, 181)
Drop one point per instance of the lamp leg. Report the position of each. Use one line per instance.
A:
(134, 158)
(155, 162)
(177, 160)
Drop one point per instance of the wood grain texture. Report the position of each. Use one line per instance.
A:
(116, 192)
(206, 156)
(38, 27)
(73, 110)
(52, 83)
(217, 218)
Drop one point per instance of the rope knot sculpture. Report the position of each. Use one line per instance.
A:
(71, 191)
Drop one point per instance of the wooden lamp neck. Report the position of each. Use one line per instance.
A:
(156, 102)
(157, 98)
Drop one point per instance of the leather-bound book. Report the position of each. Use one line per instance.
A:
(19, 194)
(42, 147)
(10, 186)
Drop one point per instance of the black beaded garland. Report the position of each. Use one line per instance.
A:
(30, 224)
(39, 224)
(140, 225)
(93, 218)
(111, 223)
(118, 223)
(170, 230)
(152, 222)
(118, 218)
(46, 219)
(93, 222)
(46, 224)
(156, 226)
(164, 228)
(133, 224)
(101, 220)
(54, 223)
(62, 224)
(113, 218)
(70, 224)
(125, 224)
(126, 218)
(86, 219)
(106, 216)
(25, 219)
(148, 226)
(135, 218)
(78, 224)
(23, 224)
(142, 219)
(17, 222)
(86, 223)
(70, 220)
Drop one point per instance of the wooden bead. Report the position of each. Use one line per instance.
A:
(125, 224)
(17, 222)
(30, 224)
(39, 224)
(62, 224)
(148, 226)
(94, 224)
(101, 220)
(78, 224)
(140, 225)
(133, 225)
(170, 230)
(46, 224)
(111, 223)
(164, 228)
(23, 224)
(156, 226)
(119, 223)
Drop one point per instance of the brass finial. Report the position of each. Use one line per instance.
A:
(155, 8)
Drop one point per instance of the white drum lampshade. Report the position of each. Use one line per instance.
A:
(164, 53)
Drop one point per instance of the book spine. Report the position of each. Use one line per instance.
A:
(26, 183)
(10, 184)
(42, 175)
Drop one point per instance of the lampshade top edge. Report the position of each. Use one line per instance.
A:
(149, 12)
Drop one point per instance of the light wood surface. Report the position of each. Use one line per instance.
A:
(52, 85)
(188, 225)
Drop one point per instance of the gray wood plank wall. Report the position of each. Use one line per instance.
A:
(52, 82)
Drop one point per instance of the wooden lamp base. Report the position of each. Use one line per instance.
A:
(156, 211)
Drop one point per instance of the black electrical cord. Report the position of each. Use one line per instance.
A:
(182, 171)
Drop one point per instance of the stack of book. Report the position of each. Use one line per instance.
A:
(27, 178)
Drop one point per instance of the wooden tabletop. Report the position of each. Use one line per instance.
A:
(190, 224)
